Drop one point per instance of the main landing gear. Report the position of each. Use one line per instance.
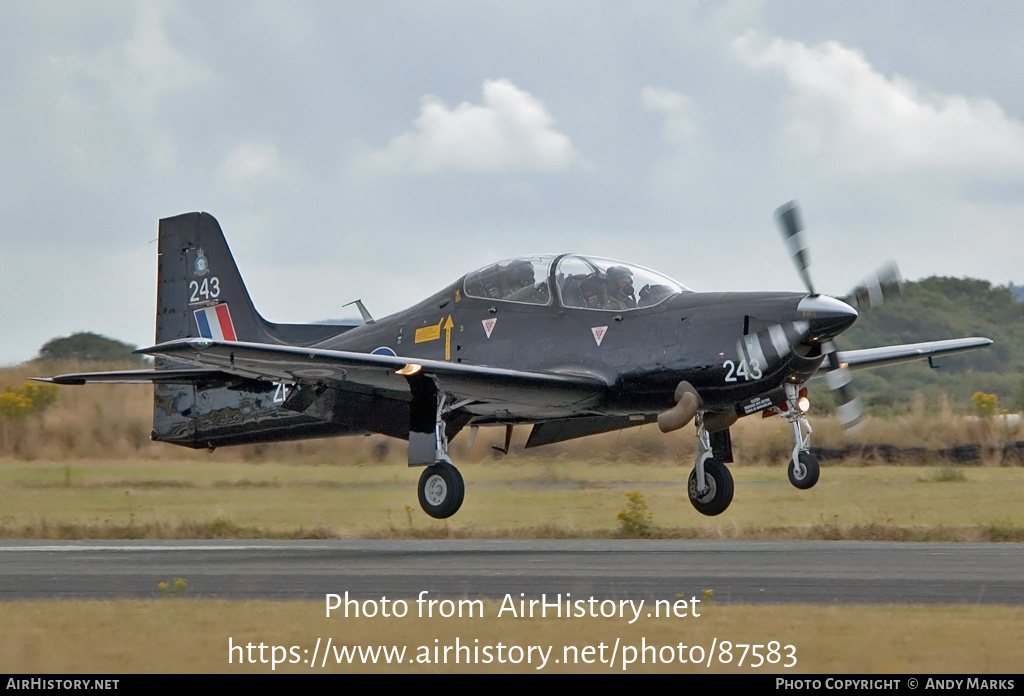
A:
(803, 466)
(441, 489)
(710, 486)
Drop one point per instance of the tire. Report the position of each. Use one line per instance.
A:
(441, 490)
(720, 488)
(808, 472)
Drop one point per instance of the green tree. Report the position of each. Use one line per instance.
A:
(88, 346)
(936, 308)
(1018, 395)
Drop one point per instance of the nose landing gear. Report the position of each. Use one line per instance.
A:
(803, 466)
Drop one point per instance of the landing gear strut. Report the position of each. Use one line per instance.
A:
(710, 486)
(803, 466)
(441, 489)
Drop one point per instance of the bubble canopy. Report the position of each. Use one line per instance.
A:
(572, 280)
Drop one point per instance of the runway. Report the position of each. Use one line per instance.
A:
(736, 572)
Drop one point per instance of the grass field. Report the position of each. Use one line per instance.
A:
(520, 498)
(523, 498)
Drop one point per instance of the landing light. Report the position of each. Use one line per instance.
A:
(410, 369)
(803, 403)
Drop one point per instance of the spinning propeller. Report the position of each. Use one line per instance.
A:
(884, 285)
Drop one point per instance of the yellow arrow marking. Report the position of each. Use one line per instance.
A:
(448, 338)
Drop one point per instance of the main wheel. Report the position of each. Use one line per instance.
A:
(804, 473)
(718, 495)
(441, 490)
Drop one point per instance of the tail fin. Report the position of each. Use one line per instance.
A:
(199, 289)
(200, 292)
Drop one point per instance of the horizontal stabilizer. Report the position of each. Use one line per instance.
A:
(180, 376)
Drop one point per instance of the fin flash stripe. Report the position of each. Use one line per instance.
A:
(215, 322)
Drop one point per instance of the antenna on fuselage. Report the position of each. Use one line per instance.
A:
(367, 319)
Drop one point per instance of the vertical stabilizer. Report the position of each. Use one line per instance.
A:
(199, 289)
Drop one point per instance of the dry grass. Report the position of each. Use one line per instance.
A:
(181, 635)
(514, 498)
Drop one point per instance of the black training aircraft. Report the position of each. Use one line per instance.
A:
(566, 343)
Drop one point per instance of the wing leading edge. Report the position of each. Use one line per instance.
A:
(343, 369)
(893, 355)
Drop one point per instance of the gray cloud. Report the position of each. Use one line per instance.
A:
(844, 112)
(510, 131)
(633, 130)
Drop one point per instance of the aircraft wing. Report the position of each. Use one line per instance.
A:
(344, 369)
(892, 355)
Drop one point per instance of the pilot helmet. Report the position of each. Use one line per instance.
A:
(521, 271)
(616, 275)
(616, 272)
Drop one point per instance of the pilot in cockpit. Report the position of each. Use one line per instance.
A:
(619, 288)
(520, 281)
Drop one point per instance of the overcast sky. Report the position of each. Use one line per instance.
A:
(380, 150)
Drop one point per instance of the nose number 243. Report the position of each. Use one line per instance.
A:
(743, 370)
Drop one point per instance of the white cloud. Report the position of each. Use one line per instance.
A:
(153, 65)
(844, 112)
(511, 130)
(678, 109)
(252, 166)
(135, 74)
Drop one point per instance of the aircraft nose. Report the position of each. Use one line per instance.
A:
(827, 316)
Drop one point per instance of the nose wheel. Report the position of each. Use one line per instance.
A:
(804, 470)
